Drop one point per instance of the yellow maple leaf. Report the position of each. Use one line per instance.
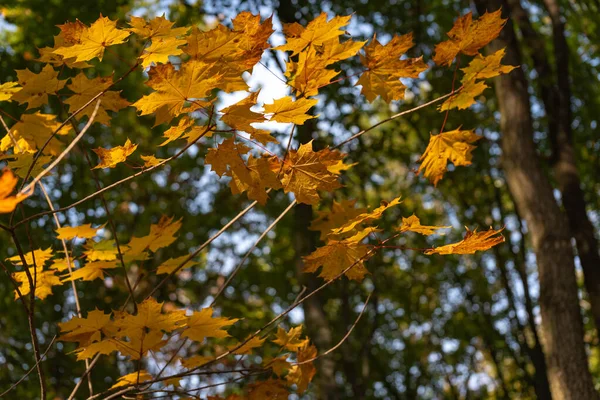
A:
(366, 217)
(160, 50)
(413, 224)
(172, 263)
(91, 271)
(485, 67)
(176, 131)
(201, 324)
(468, 36)
(36, 87)
(227, 159)
(337, 255)
(139, 344)
(302, 374)
(8, 89)
(82, 231)
(105, 347)
(86, 89)
(92, 328)
(8, 203)
(31, 133)
(454, 146)
(109, 158)
(339, 214)
(161, 235)
(287, 110)
(151, 161)
(465, 98)
(261, 177)
(473, 241)
(44, 281)
(289, 339)
(93, 40)
(158, 27)
(305, 173)
(132, 378)
(62, 264)
(384, 68)
(174, 89)
(240, 117)
(310, 72)
(149, 317)
(316, 33)
(105, 250)
(247, 347)
(37, 257)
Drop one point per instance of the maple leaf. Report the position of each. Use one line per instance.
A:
(485, 67)
(413, 224)
(8, 203)
(468, 36)
(44, 281)
(20, 164)
(247, 347)
(171, 264)
(240, 117)
(93, 40)
(291, 339)
(160, 50)
(453, 145)
(8, 89)
(86, 89)
(86, 330)
(132, 378)
(31, 133)
(61, 264)
(367, 216)
(271, 389)
(141, 343)
(161, 235)
(196, 361)
(337, 255)
(37, 257)
(149, 317)
(339, 214)
(176, 131)
(105, 250)
(316, 33)
(384, 68)
(262, 177)
(310, 72)
(105, 347)
(151, 161)
(109, 158)
(465, 98)
(91, 271)
(287, 110)
(305, 172)
(36, 87)
(174, 89)
(158, 27)
(201, 325)
(472, 242)
(302, 373)
(82, 231)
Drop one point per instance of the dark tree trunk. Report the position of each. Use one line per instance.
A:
(562, 328)
(555, 92)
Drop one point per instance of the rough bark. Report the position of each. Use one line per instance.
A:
(561, 326)
(555, 92)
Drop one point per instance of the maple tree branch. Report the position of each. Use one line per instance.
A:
(203, 246)
(66, 151)
(86, 373)
(241, 263)
(400, 114)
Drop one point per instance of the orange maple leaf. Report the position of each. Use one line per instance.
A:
(8, 182)
(473, 241)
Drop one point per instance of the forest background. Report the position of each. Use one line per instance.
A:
(435, 328)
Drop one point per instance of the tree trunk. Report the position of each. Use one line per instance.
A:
(562, 328)
(555, 92)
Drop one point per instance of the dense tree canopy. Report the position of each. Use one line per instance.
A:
(319, 252)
